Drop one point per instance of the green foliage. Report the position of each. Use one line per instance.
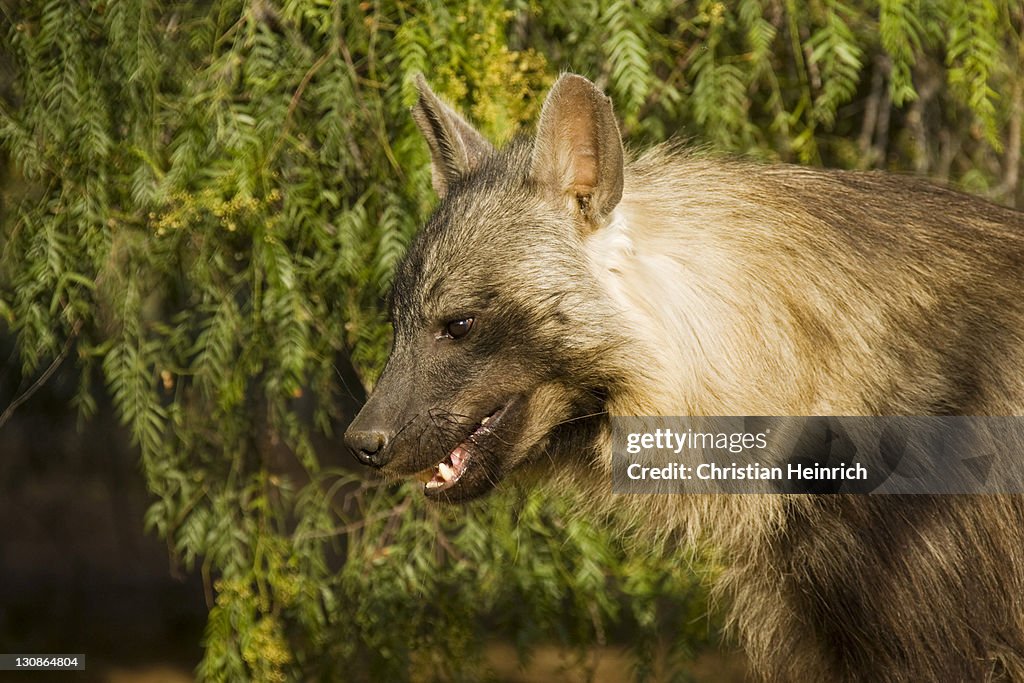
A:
(209, 199)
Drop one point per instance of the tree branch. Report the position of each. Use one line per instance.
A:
(43, 378)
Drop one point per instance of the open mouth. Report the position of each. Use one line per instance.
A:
(446, 473)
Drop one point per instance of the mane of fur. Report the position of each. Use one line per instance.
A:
(756, 290)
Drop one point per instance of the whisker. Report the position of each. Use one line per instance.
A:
(344, 384)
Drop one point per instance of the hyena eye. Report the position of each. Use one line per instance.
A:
(457, 329)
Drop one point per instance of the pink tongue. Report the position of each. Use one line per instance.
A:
(458, 458)
(445, 473)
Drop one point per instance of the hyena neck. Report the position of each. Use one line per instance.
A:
(695, 356)
(632, 278)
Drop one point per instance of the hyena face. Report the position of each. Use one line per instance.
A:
(489, 367)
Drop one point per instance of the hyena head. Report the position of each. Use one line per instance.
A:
(501, 334)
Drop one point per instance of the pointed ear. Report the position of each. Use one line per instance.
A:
(578, 151)
(456, 147)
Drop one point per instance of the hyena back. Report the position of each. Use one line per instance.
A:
(562, 280)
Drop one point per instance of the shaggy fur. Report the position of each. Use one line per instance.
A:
(595, 284)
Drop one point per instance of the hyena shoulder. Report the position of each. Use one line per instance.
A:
(785, 290)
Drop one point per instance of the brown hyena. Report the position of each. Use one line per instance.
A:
(562, 281)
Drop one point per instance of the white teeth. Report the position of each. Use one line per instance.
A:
(485, 420)
(449, 470)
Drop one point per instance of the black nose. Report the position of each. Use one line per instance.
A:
(368, 446)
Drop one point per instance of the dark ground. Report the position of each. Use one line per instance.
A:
(77, 573)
